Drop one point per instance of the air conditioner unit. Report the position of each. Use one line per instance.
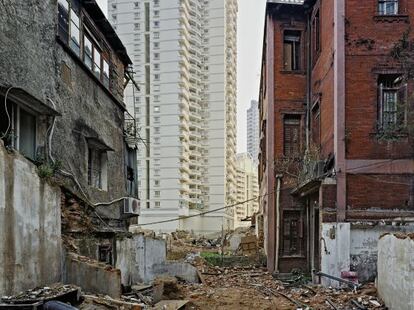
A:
(132, 206)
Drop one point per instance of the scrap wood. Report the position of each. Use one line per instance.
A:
(112, 303)
(330, 302)
(358, 305)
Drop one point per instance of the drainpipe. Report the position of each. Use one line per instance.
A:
(308, 78)
(277, 239)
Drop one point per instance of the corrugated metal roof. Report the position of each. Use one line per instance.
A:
(300, 2)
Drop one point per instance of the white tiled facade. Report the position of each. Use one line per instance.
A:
(247, 189)
(253, 130)
(184, 54)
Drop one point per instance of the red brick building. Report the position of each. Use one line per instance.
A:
(336, 162)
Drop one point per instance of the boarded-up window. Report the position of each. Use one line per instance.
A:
(291, 46)
(292, 233)
(291, 137)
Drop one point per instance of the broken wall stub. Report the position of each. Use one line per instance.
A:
(92, 276)
(396, 271)
(30, 238)
(141, 259)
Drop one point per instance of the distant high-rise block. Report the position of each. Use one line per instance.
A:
(184, 55)
(253, 131)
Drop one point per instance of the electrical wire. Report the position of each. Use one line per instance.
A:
(211, 211)
(7, 112)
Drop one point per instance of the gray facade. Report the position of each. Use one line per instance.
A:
(66, 114)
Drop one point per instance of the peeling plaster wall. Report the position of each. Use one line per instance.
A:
(396, 272)
(364, 248)
(335, 251)
(30, 239)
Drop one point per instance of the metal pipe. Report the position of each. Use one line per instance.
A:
(349, 283)
(277, 218)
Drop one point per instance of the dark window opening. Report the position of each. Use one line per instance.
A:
(291, 135)
(292, 233)
(316, 35)
(105, 254)
(292, 50)
(316, 124)
(392, 102)
(97, 168)
(387, 7)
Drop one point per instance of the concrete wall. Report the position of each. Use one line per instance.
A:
(335, 248)
(92, 276)
(353, 247)
(364, 248)
(136, 257)
(396, 271)
(30, 240)
(142, 259)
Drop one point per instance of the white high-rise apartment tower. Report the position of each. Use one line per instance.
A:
(253, 130)
(184, 54)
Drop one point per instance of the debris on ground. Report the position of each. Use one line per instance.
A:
(57, 291)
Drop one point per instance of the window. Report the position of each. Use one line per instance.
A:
(156, 24)
(316, 35)
(69, 24)
(156, 56)
(156, 45)
(291, 135)
(105, 73)
(156, 119)
(156, 182)
(292, 50)
(387, 7)
(156, 98)
(97, 168)
(156, 13)
(156, 3)
(74, 32)
(292, 233)
(156, 66)
(392, 102)
(87, 52)
(156, 109)
(156, 35)
(105, 254)
(136, 26)
(156, 130)
(157, 204)
(96, 63)
(19, 130)
(156, 77)
(136, 14)
(157, 193)
(136, 4)
(316, 124)
(156, 172)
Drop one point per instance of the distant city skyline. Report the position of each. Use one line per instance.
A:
(249, 43)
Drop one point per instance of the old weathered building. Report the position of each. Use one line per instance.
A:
(336, 162)
(68, 145)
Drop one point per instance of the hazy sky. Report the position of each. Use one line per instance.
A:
(250, 36)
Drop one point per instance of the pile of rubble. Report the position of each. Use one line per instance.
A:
(254, 288)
